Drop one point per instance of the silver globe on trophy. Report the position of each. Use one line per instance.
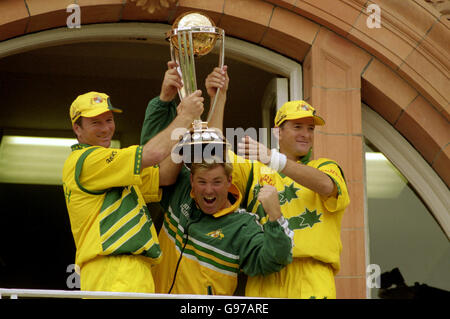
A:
(194, 35)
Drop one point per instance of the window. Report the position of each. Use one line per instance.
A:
(405, 212)
(35, 160)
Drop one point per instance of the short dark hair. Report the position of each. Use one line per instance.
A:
(79, 121)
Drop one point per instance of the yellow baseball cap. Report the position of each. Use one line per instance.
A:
(293, 110)
(91, 104)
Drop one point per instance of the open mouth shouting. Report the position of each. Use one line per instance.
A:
(209, 200)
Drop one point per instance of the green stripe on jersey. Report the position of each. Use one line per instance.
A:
(123, 203)
(332, 162)
(128, 203)
(140, 239)
(79, 167)
(200, 246)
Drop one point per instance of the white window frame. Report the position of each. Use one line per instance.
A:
(411, 164)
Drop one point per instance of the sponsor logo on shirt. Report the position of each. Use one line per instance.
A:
(266, 180)
(185, 208)
(334, 173)
(216, 234)
(111, 157)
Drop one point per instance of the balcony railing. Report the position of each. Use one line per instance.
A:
(44, 293)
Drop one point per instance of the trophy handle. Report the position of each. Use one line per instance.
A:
(174, 57)
(221, 63)
(184, 56)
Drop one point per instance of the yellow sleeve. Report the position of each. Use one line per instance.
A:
(99, 168)
(332, 169)
(241, 170)
(150, 184)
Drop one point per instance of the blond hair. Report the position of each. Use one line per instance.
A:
(211, 163)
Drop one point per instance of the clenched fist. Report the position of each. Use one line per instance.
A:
(268, 196)
(192, 105)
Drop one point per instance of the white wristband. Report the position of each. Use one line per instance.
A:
(277, 160)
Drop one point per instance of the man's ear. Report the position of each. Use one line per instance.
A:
(191, 179)
(76, 129)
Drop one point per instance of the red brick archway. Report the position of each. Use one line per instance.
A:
(400, 70)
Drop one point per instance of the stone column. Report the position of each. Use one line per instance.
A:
(332, 84)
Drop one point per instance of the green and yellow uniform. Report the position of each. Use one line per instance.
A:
(215, 248)
(219, 246)
(316, 223)
(106, 194)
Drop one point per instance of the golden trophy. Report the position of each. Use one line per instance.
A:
(194, 35)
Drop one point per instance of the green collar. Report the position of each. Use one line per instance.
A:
(305, 159)
(79, 146)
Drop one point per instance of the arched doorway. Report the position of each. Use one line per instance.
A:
(42, 73)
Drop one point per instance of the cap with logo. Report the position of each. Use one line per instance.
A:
(296, 110)
(91, 104)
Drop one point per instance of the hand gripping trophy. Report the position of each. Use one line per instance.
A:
(193, 35)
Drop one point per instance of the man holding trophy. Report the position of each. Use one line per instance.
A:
(106, 192)
(206, 238)
(312, 194)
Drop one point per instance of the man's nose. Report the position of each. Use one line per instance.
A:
(208, 188)
(105, 127)
(304, 131)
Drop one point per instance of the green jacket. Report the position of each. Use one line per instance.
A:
(215, 247)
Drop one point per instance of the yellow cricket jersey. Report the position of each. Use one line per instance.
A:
(106, 194)
(316, 221)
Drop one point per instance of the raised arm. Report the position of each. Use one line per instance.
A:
(159, 147)
(217, 79)
(171, 83)
(307, 176)
(311, 178)
(161, 111)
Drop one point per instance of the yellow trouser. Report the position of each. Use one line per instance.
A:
(304, 278)
(124, 273)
